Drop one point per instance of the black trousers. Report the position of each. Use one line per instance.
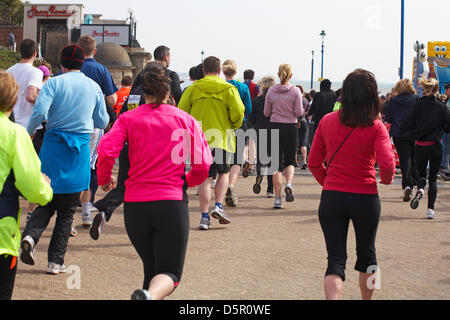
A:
(8, 268)
(65, 206)
(115, 197)
(335, 212)
(406, 150)
(433, 156)
(159, 232)
(263, 135)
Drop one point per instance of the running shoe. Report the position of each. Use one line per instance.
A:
(87, 219)
(407, 194)
(246, 169)
(415, 202)
(270, 195)
(141, 295)
(29, 214)
(277, 204)
(431, 214)
(54, 268)
(205, 224)
(94, 209)
(257, 185)
(73, 231)
(27, 252)
(97, 225)
(304, 166)
(231, 198)
(220, 214)
(213, 184)
(289, 193)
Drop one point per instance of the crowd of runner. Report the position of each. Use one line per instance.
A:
(61, 136)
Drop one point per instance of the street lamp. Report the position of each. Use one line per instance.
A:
(312, 71)
(133, 21)
(402, 40)
(322, 35)
(203, 55)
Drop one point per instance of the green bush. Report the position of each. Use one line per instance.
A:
(8, 59)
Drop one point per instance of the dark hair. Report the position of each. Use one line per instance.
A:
(301, 89)
(211, 65)
(27, 48)
(198, 74)
(160, 53)
(155, 82)
(249, 74)
(325, 85)
(126, 81)
(192, 72)
(360, 103)
(339, 93)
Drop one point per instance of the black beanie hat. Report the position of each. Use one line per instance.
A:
(72, 57)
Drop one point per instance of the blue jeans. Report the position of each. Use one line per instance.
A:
(445, 150)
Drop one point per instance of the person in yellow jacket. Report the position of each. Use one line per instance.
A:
(20, 174)
(217, 105)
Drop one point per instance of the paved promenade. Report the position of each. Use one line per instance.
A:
(263, 254)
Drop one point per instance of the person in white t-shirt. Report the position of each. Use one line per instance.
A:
(29, 79)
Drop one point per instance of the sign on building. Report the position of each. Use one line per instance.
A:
(118, 34)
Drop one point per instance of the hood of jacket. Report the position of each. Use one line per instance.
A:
(282, 88)
(212, 85)
(404, 100)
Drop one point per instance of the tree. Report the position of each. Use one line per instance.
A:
(11, 12)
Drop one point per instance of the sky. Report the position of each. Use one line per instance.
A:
(263, 34)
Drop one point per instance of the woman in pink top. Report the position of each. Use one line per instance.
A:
(284, 104)
(160, 138)
(350, 142)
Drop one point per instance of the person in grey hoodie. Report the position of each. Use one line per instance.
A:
(284, 106)
(396, 111)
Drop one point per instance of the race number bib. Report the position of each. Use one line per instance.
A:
(133, 101)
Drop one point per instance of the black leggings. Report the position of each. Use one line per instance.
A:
(8, 268)
(287, 143)
(406, 150)
(159, 232)
(335, 212)
(433, 155)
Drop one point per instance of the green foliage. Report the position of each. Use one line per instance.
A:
(8, 58)
(11, 12)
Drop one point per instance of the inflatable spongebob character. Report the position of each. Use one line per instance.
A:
(439, 61)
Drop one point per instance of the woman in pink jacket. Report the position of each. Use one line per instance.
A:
(351, 141)
(160, 138)
(284, 105)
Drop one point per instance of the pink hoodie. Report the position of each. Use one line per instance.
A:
(157, 138)
(284, 104)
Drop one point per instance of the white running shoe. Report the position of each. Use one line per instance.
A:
(54, 268)
(205, 224)
(97, 225)
(221, 215)
(27, 250)
(278, 203)
(141, 295)
(87, 219)
(431, 214)
(213, 184)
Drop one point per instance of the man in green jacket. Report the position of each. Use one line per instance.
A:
(20, 174)
(216, 104)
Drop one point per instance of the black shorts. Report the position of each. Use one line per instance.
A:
(221, 163)
(287, 143)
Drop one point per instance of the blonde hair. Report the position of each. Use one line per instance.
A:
(88, 44)
(284, 72)
(265, 83)
(430, 87)
(404, 86)
(9, 90)
(229, 68)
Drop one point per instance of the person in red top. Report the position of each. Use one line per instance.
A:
(122, 94)
(351, 141)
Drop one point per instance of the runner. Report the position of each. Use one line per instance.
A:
(73, 105)
(350, 141)
(283, 106)
(122, 94)
(20, 174)
(303, 132)
(101, 75)
(229, 69)
(426, 123)
(162, 55)
(255, 91)
(29, 79)
(115, 197)
(218, 106)
(156, 207)
(396, 112)
(261, 124)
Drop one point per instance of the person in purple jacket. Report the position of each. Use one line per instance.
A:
(284, 106)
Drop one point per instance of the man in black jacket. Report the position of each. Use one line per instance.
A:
(162, 55)
(323, 102)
